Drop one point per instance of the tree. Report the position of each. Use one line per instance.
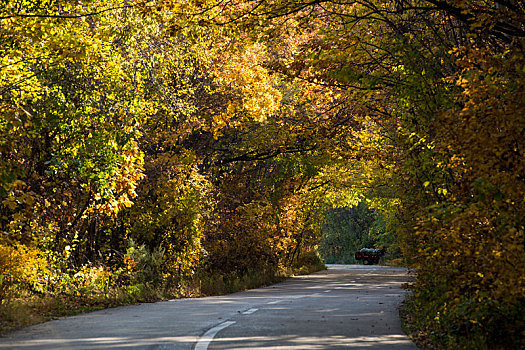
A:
(442, 83)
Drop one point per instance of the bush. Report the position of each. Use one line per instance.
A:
(21, 267)
(143, 265)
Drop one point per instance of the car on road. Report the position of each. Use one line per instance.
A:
(369, 256)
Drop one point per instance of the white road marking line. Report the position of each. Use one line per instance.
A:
(207, 338)
(327, 291)
(297, 296)
(275, 302)
(248, 312)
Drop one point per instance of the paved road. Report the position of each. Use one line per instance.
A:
(347, 306)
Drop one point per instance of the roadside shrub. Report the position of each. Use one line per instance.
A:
(21, 267)
(143, 265)
(308, 261)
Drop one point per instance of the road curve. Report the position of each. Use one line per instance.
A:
(347, 306)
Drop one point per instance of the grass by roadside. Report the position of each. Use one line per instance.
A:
(422, 339)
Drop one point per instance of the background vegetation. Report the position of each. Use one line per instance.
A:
(166, 147)
(347, 230)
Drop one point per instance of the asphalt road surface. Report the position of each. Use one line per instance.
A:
(347, 306)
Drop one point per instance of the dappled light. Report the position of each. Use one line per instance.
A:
(328, 342)
(102, 342)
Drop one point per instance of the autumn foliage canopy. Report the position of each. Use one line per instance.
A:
(145, 144)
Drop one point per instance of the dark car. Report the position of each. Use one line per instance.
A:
(369, 256)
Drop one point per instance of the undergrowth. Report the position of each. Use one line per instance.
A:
(501, 328)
